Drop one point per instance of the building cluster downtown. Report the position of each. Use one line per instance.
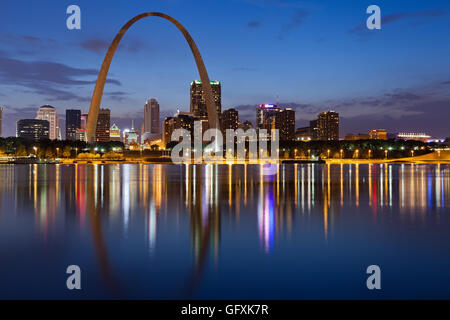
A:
(153, 132)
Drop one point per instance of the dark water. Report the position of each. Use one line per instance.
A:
(220, 231)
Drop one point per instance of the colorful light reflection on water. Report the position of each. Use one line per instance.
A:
(224, 231)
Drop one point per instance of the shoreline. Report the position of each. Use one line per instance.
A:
(291, 161)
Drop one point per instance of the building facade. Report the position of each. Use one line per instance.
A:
(245, 125)
(314, 129)
(303, 134)
(378, 134)
(263, 114)
(230, 119)
(103, 126)
(114, 133)
(151, 124)
(285, 123)
(328, 126)
(73, 123)
(198, 104)
(49, 113)
(33, 129)
(179, 121)
(83, 121)
(270, 116)
(131, 137)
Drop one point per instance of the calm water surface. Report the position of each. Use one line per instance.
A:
(219, 231)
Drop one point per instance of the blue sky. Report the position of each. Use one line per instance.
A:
(309, 55)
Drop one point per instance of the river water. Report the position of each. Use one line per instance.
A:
(165, 231)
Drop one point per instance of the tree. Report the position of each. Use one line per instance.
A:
(49, 153)
(21, 151)
(67, 152)
(112, 155)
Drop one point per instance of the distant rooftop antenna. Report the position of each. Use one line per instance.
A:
(132, 124)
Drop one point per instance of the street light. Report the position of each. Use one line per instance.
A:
(328, 153)
(35, 151)
(342, 153)
(57, 152)
(309, 153)
(370, 153)
(386, 153)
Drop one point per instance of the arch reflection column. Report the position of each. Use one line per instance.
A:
(101, 79)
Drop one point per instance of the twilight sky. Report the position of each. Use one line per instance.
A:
(309, 55)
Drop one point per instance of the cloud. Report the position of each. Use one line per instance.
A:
(297, 19)
(22, 110)
(54, 94)
(412, 109)
(417, 18)
(100, 46)
(53, 80)
(27, 44)
(24, 39)
(117, 95)
(254, 24)
(95, 45)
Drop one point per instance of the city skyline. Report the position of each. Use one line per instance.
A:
(199, 151)
(401, 95)
(326, 127)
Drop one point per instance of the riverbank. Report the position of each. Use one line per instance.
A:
(432, 158)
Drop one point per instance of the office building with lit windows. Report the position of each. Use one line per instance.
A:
(33, 129)
(73, 123)
(48, 113)
(198, 104)
(103, 126)
(230, 119)
(328, 126)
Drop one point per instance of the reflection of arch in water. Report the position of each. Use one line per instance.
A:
(101, 79)
(205, 222)
(101, 251)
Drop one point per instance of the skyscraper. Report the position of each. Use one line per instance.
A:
(73, 122)
(114, 133)
(83, 121)
(328, 125)
(49, 113)
(33, 129)
(230, 119)
(80, 134)
(285, 123)
(314, 130)
(246, 125)
(198, 105)
(263, 113)
(178, 121)
(131, 137)
(151, 119)
(103, 125)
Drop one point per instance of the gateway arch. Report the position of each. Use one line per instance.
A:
(101, 78)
